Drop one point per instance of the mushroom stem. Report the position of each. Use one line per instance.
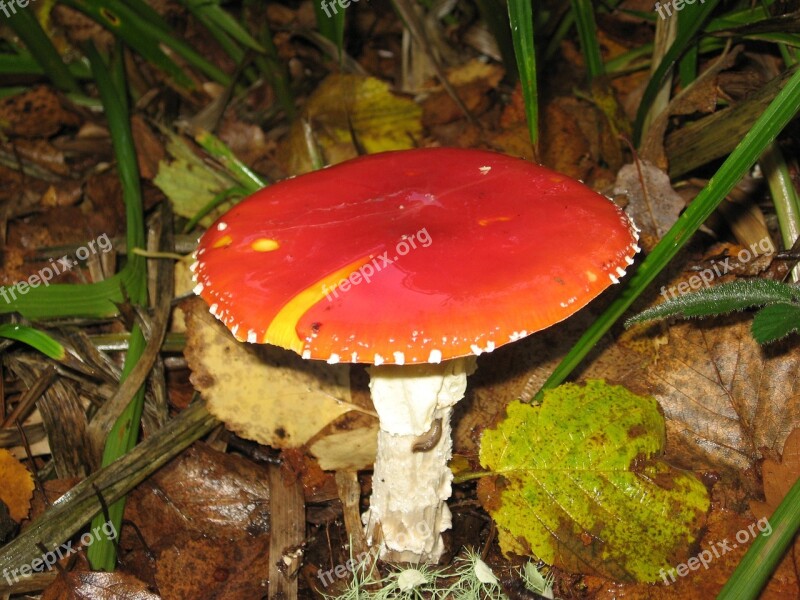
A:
(409, 488)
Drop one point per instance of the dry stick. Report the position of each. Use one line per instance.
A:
(30, 397)
(75, 508)
(287, 510)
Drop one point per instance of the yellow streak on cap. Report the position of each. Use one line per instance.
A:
(282, 331)
(265, 245)
(225, 240)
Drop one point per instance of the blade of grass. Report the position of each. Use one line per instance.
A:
(223, 196)
(23, 63)
(688, 66)
(25, 25)
(493, 17)
(587, 33)
(217, 148)
(211, 11)
(95, 300)
(275, 71)
(330, 25)
(777, 115)
(696, 15)
(34, 338)
(784, 197)
(764, 554)
(123, 435)
(520, 15)
(145, 36)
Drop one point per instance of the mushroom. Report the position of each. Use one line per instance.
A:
(414, 262)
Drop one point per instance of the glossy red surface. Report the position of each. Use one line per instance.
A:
(482, 249)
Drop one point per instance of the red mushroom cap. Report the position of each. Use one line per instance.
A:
(413, 256)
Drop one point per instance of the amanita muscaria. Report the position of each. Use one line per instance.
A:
(414, 262)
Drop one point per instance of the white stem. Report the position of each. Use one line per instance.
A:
(407, 510)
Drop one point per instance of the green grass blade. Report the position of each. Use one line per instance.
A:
(694, 16)
(243, 174)
(784, 197)
(94, 300)
(209, 11)
(520, 15)
(587, 33)
(330, 22)
(765, 552)
(123, 435)
(35, 339)
(688, 66)
(25, 25)
(24, 63)
(276, 73)
(145, 36)
(223, 196)
(493, 17)
(780, 111)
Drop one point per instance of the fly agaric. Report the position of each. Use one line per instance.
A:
(414, 262)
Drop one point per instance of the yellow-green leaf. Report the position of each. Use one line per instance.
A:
(577, 484)
(348, 106)
(190, 183)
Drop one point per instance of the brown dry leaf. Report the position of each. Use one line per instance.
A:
(380, 120)
(472, 81)
(89, 585)
(653, 208)
(203, 503)
(274, 397)
(779, 477)
(16, 486)
(35, 113)
(725, 397)
(220, 570)
(701, 96)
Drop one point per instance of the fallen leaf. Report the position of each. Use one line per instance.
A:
(205, 512)
(472, 81)
(779, 477)
(85, 585)
(380, 121)
(577, 483)
(655, 207)
(17, 486)
(271, 395)
(189, 183)
(724, 396)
